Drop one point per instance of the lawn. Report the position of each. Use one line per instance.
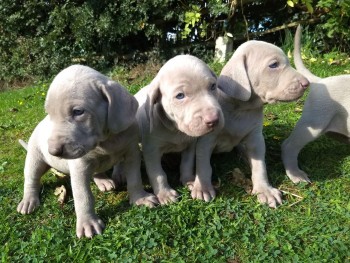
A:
(312, 224)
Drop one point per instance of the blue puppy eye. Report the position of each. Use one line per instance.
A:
(78, 112)
(273, 65)
(180, 96)
(213, 87)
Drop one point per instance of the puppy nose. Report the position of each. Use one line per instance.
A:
(211, 120)
(304, 83)
(55, 149)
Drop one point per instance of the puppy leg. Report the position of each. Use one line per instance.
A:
(118, 174)
(300, 136)
(261, 187)
(187, 165)
(131, 171)
(34, 168)
(158, 177)
(202, 187)
(103, 182)
(88, 223)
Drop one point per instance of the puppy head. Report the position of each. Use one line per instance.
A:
(183, 97)
(261, 69)
(84, 108)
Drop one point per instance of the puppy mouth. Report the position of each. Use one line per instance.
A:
(292, 93)
(68, 151)
(76, 152)
(197, 129)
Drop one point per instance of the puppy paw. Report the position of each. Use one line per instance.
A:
(203, 192)
(189, 185)
(188, 181)
(89, 226)
(144, 198)
(268, 195)
(104, 183)
(28, 205)
(298, 176)
(167, 196)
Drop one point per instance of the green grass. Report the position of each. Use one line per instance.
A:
(312, 225)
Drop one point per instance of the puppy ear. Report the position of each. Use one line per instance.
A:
(122, 106)
(234, 79)
(154, 96)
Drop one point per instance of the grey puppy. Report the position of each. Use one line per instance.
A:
(326, 111)
(177, 107)
(90, 127)
(257, 73)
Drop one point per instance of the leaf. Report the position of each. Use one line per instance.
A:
(61, 192)
(313, 59)
(309, 7)
(266, 123)
(239, 179)
(2, 167)
(290, 3)
(298, 109)
(58, 174)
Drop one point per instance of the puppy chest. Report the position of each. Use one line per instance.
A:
(226, 142)
(172, 147)
(103, 162)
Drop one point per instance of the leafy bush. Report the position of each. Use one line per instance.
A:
(39, 38)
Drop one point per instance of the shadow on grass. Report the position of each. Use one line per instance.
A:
(323, 159)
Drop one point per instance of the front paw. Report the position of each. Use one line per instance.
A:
(28, 205)
(268, 195)
(167, 196)
(89, 226)
(104, 183)
(298, 176)
(144, 198)
(204, 192)
(188, 181)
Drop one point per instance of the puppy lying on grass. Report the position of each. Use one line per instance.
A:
(326, 111)
(90, 127)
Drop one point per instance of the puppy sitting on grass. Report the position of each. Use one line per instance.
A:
(257, 73)
(177, 107)
(90, 127)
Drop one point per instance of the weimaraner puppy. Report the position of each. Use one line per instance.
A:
(177, 107)
(326, 111)
(257, 73)
(90, 126)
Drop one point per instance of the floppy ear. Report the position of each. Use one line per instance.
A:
(122, 106)
(154, 96)
(234, 80)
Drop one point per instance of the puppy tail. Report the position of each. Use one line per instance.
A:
(24, 144)
(298, 60)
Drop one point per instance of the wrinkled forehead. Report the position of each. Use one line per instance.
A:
(267, 52)
(67, 93)
(191, 74)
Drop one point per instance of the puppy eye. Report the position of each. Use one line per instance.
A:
(274, 65)
(213, 87)
(78, 112)
(180, 96)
